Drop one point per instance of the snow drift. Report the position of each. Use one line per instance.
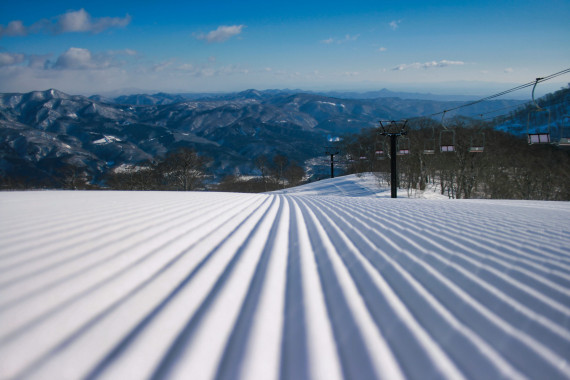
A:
(290, 285)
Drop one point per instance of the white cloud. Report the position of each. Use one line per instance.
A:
(75, 59)
(161, 66)
(347, 38)
(26, 78)
(14, 28)
(509, 70)
(74, 21)
(209, 70)
(186, 67)
(129, 52)
(70, 22)
(82, 59)
(223, 33)
(81, 21)
(428, 65)
(10, 59)
(382, 49)
(39, 61)
(16, 59)
(395, 24)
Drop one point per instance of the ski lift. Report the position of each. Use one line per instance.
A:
(380, 152)
(429, 144)
(403, 146)
(564, 131)
(477, 141)
(446, 138)
(362, 153)
(538, 136)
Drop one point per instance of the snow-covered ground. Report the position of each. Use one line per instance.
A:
(333, 280)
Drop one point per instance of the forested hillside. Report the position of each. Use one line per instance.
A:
(484, 163)
(550, 113)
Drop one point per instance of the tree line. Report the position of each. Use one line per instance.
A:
(186, 170)
(181, 170)
(276, 173)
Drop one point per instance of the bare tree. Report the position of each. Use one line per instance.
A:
(280, 162)
(183, 170)
(294, 174)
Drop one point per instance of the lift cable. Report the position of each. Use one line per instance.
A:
(521, 108)
(526, 85)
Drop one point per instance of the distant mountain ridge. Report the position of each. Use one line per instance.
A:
(42, 131)
(162, 98)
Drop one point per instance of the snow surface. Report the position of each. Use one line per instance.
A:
(332, 280)
(107, 140)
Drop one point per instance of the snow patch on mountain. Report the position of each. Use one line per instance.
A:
(107, 140)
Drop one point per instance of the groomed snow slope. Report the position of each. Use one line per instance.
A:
(298, 285)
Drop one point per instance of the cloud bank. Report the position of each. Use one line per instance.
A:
(223, 33)
(428, 65)
(71, 22)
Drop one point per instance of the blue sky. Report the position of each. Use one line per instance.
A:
(458, 47)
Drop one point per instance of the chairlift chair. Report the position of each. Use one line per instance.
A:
(537, 135)
(379, 151)
(477, 143)
(362, 153)
(429, 144)
(564, 139)
(403, 146)
(447, 140)
(539, 138)
(380, 154)
(446, 137)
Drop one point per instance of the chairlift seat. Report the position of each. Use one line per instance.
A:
(476, 149)
(429, 146)
(539, 138)
(402, 152)
(448, 148)
(564, 141)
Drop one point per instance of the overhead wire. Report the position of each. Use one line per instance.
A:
(517, 88)
(521, 108)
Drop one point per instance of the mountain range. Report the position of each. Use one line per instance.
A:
(42, 131)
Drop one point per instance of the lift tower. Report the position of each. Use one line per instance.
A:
(393, 129)
(331, 151)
